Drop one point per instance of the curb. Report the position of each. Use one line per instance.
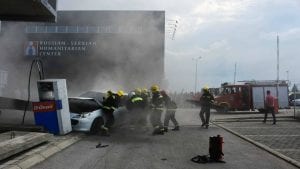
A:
(264, 147)
(42, 155)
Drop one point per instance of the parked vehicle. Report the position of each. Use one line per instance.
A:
(250, 95)
(293, 96)
(86, 112)
(295, 102)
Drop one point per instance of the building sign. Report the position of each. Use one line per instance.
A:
(59, 47)
(31, 48)
(48, 106)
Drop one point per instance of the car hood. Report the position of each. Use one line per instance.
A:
(83, 105)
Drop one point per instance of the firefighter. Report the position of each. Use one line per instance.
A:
(170, 112)
(109, 105)
(206, 101)
(138, 92)
(136, 106)
(146, 97)
(156, 104)
(120, 98)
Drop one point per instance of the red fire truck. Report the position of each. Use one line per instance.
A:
(250, 95)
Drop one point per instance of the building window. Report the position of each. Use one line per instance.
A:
(51, 29)
(82, 29)
(72, 29)
(41, 29)
(31, 29)
(92, 29)
(61, 29)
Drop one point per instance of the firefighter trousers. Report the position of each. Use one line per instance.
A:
(170, 115)
(155, 118)
(109, 118)
(205, 115)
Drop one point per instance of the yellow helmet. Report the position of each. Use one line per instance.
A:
(120, 93)
(144, 90)
(154, 88)
(205, 88)
(109, 93)
(138, 91)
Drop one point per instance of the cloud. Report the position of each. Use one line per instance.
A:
(214, 10)
(209, 13)
(223, 32)
(289, 34)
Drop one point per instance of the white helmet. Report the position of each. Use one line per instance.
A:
(131, 94)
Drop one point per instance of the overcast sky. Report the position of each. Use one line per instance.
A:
(222, 32)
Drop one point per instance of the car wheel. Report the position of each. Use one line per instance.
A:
(224, 108)
(96, 125)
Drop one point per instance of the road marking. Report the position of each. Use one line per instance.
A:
(267, 127)
(272, 135)
(262, 146)
(287, 150)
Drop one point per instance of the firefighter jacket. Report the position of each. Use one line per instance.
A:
(110, 103)
(135, 102)
(170, 104)
(206, 99)
(157, 101)
(145, 97)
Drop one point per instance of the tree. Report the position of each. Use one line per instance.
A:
(295, 88)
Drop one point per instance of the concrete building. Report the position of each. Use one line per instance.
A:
(93, 50)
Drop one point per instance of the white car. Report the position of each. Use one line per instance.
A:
(86, 112)
(295, 102)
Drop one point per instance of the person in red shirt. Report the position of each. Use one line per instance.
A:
(269, 106)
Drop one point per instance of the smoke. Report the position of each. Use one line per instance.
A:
(126, 54)
(13, 63)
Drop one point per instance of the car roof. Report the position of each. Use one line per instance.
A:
(82, 98)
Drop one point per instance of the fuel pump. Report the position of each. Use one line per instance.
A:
(52, 111)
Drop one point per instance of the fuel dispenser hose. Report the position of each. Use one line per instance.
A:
(38, 62)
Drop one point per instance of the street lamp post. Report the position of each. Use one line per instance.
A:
(287, 76)
(196, 59)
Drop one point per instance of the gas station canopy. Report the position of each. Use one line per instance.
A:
(28, 10)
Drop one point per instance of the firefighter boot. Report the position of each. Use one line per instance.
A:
(176, 128)
(104, 131)
(158, 131)
(206, 126)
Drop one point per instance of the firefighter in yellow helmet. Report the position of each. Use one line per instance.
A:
(145, 95)
(120, 98)
(109, 105)
(146, 98)
(120, 93)
(206, 101)
(154, 88)
(156, 104)
(138, 91)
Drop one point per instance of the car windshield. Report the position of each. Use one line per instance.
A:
(82, 105)
(98, 96)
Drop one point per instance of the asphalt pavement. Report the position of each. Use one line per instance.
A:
(281, 139)
(135, 147)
